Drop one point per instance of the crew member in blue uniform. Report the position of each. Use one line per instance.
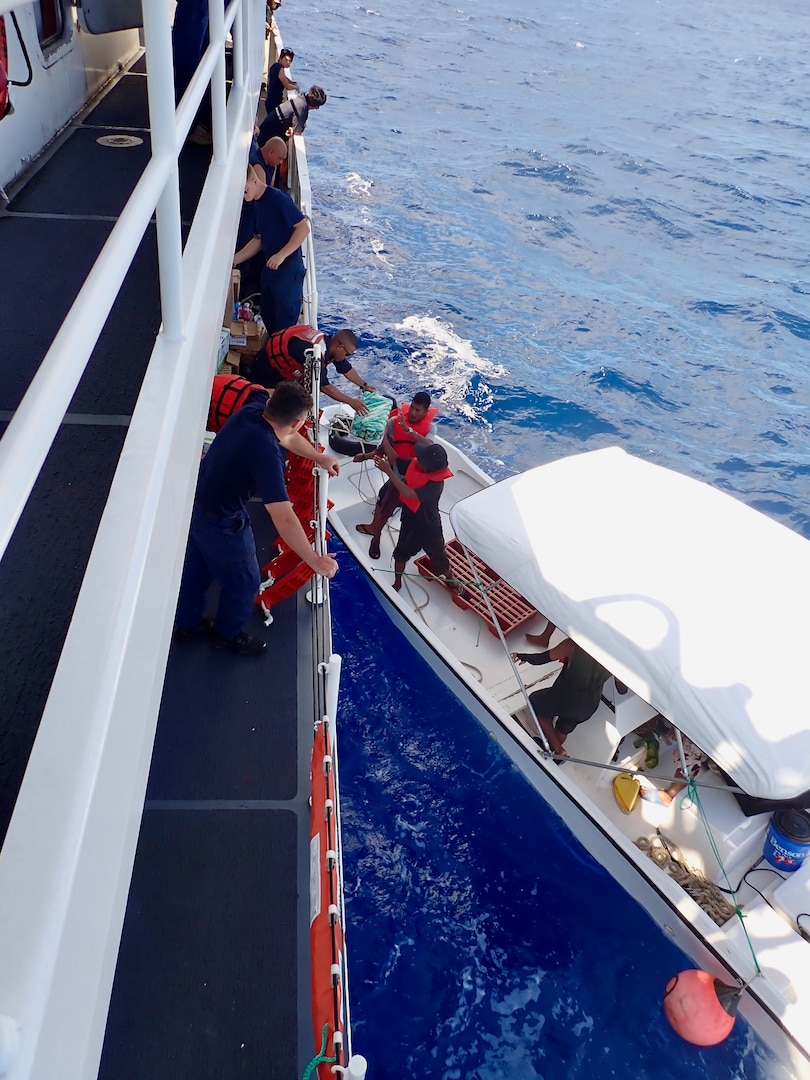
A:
(269, 158)
(279, 229)
(278, 80)
(245, 459)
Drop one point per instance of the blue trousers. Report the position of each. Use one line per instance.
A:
(189, 42)
(221, 550)
(282, 292)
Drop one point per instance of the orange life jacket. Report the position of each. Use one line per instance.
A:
(416, 477)
(402, 442)
(278, 349)
(228, 394)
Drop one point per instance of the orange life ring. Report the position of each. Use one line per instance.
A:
(325, 930)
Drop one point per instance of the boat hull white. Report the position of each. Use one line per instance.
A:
(673, 911)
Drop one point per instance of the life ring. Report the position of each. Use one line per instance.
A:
(348, 445)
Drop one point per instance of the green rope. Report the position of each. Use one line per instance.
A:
(320, 1058)
(692, 796)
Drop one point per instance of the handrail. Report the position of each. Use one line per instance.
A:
(67, 859)
(33, 428)
(298, 180)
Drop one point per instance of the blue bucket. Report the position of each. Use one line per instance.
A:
(787, 844)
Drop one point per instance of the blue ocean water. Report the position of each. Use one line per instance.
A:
(574, 226)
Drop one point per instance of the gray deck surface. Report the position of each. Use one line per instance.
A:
(209, 971)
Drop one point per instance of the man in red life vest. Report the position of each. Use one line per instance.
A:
(407, 426)
(421, 524)
(284, 357)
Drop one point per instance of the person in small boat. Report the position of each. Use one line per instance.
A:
(278, 229)
(278, 80)
(421, 526)
(573, 697)
(661, 729)
(409, 424)
(290, 117)
(284, 357)
(245, 459)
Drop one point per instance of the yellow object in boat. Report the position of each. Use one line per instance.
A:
(626, 788)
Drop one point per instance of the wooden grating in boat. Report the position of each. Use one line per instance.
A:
(511, 610)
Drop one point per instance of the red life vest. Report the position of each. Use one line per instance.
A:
(228, 394)
(278, 349)
(416, 477)
(402, 442)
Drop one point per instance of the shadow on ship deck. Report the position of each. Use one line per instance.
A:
(212, 971)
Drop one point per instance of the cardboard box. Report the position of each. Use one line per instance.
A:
(247, 337)
(232, 296)
(224, 344)
(230, 365)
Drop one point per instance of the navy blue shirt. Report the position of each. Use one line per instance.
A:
(274, 217)
(245, 459)
(255, 154)
(275, 90)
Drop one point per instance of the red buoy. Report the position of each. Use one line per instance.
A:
(700, 1008)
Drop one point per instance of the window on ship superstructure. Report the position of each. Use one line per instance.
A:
(50, 19)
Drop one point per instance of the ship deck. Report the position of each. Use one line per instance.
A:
(212, 971)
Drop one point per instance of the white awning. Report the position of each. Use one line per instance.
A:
(699, 603)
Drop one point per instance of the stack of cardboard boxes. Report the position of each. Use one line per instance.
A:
(240, 337)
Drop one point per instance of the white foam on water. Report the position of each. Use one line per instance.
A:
(451, 363)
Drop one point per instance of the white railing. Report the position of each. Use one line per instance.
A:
(66, 863)
(301, 191)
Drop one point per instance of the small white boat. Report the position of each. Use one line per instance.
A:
(696, 603)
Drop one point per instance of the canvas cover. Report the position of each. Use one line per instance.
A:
(698, 602)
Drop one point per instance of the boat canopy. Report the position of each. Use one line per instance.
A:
(699, 603)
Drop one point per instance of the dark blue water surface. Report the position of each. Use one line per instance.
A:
(576, 225)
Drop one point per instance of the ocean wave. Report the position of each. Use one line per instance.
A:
(450, 363)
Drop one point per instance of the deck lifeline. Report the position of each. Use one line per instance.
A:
(213, 953)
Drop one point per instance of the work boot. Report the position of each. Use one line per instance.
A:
(243, 644)
(193, 633)
(200, 136)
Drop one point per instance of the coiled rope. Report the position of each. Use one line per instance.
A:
(666, 855)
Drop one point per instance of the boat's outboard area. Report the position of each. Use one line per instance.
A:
(211, 956)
